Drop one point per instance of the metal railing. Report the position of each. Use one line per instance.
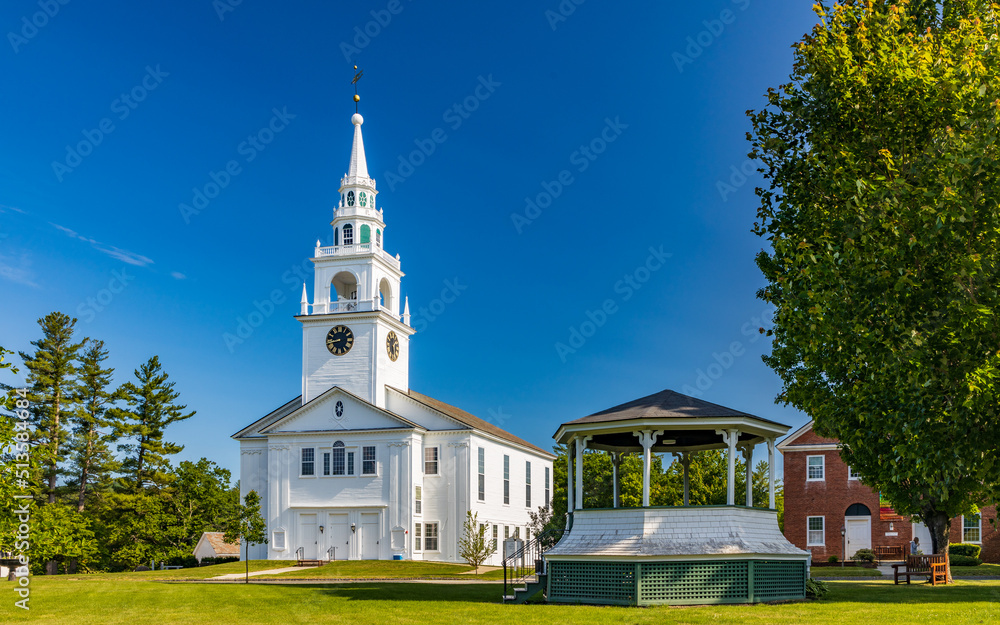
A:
(527, 562)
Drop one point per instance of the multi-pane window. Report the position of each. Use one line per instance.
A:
(350, 463)
(815, 536)
(495, 536)
(546, 487)
(368, 461)
(852, 474)
(506, 532)
(348, 234)
(350, 198)
(972, 529)
(308, 461)
(506, 479)
(378, 233)
(517, 532)
(527, 484)
(338, 458)
(416, 537)
(431, 536)
(482, 474)
(815, 468)
(417, 500)
(431, 460)
(326, 463)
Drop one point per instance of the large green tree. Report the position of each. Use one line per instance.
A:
(91, 459)
(202, 498)
(52, 386)
(883, 227)
(151, 408)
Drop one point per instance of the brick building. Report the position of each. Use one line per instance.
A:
(824, 497)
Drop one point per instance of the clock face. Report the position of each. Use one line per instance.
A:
(339, 340)
(392, 346)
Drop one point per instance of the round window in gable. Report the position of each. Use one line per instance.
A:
(339, 410)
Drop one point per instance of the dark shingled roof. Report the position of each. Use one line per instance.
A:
(666, 404)
(468, 419)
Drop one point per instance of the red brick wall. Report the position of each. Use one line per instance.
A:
(831, 497)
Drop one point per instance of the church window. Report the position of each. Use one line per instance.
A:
(338, 458)
(431, 460)
(378, 237)
(308, 461)
(517, 532)
(363, 199)
(350, 463)
(350, 198)
(326, 463)
(430, 536)
(527, 484)
(416, 537)
(494, 538)
(546, 487)
(816, 469)
(368, 466)
(482, 474)
(506, 480)
(366, 234)
(348, 234)
(815, 531)
(506, 532)
(418, 500)
(336, 236)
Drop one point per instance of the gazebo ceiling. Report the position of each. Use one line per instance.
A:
(687, 423)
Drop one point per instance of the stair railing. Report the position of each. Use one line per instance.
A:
(527, 561)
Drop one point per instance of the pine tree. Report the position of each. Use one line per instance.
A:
(151, 409)
(52, 385)
(91, 456)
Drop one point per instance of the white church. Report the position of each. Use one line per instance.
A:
(360, 467)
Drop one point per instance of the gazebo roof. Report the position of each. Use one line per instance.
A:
(688, 424)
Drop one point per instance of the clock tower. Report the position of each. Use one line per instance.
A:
(353, 334)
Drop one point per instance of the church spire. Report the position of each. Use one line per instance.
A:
(359, 165)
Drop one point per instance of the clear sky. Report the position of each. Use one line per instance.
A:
(623, 124)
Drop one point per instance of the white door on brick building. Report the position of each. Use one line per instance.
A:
(859, 534)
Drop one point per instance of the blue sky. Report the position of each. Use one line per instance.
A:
(623, 123)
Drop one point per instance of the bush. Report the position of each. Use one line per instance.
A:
(188, 561)
(965, 549)
(816, 589)
(219, 560)
(964, 560)
(864, 555)
(833, 559)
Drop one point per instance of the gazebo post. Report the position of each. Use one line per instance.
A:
(770, 471)
(616, 459)
(570, 448)
(581, 444)
(686, 465)
(748, 458)
(730, 437)
(646, 439)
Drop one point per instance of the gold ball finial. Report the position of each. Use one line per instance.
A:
(355, 67)
(357, 98)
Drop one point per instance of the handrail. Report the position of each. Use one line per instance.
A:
(516, 570)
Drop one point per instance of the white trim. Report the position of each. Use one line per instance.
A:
(851, 475)
(745, 424)
(857, 519)
(315, 473)
(794, 435)
(814, 447)
(811, 544)
(816, 479)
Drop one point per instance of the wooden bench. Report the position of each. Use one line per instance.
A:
(309, 563)
(889, 552)
(933, 567)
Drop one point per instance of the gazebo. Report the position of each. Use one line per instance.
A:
(672, 555)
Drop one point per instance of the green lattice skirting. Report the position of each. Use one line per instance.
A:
(676, 583)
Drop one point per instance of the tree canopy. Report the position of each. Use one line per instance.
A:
(883, 227)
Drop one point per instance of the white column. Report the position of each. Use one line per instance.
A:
(570, 450)
(730, 437)
(748, 458)
(770, 473)
(616, 459)
(646, 439)
(581, 444)
(686, 465)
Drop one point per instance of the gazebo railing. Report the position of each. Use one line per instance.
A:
(527, 562)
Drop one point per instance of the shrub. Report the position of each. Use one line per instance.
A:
(964, 560)
(833, 559)
(865, 555)
(815, 589)
(965, 549)
(219, 560)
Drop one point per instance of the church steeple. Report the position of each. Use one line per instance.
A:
(359, 166)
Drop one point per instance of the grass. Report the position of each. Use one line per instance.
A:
(201, 572)
(845, 571)
(67, 601)
(992, 570)
(388, 569)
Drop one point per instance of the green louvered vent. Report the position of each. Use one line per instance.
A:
(592, 582)
(779, 580)
(693, 582)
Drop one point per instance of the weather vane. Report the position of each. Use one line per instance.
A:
(357, 77)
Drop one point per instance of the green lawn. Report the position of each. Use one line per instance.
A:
(201, 572)
(843, 571)
(65, 601)
(992, 570)
(386, 569)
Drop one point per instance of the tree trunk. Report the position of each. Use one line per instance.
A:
(51, 567)
(55, 450)
(940, 527)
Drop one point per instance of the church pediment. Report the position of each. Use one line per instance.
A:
(338, 410)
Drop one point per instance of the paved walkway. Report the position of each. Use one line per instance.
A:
(228, 579)
(232, 576)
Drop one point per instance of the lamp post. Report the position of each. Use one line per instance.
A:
(843, 543)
